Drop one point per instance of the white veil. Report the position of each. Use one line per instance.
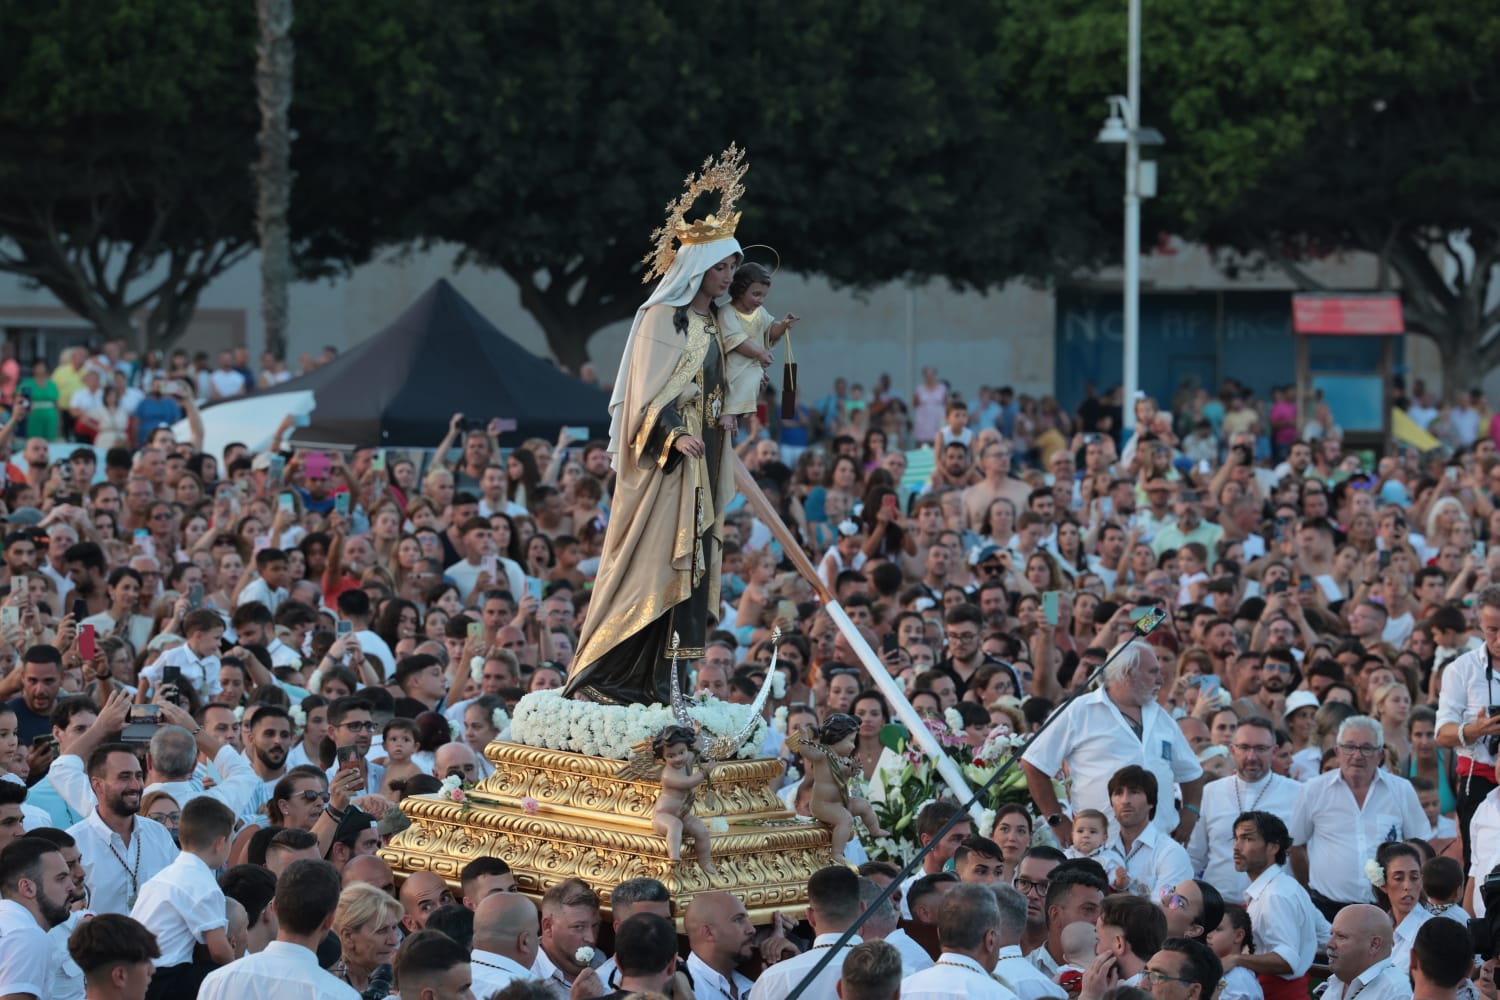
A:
(676, 288)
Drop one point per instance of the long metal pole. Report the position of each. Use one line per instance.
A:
(1132, 219)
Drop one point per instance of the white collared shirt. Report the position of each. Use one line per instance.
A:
(777, 981)
(710, 984)
(259, 590)
(1023, 978)
(1094, 739)
(112, 881)
(1469, 688)
(236, 787)
(493, 971)
(1154, 861)
(1380, 981)
(1282, 919)
(543, 968)
(202, 674)
(914, 957)
(1239, 983)
(67, 977)
(1042, 959)
(25, 953)
(1406, 935)
(953, 977)
(180, 905)
(1211, 847)
(282, 970)
(1341, 836)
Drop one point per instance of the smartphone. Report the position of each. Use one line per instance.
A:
(1279, 587)
(890, 643)
(786, 610)
(1049, 607)
(534, 587)
(377, 463)
(344, 627)
(348, 756)
(1207, 684)
(1203, 467)
(86, 648)
(1451, 473)
(144, 542)
(143, 713)
(341, 504)
(491, 565)
(285, 502)
(10, 615)
(476, 630)
(195, 596)
(1479, 550)
(278, 466)
(1306, 586)
(262, 542)
(888, 501)
(44, 740)
(80, 610)
(1148, 619)
(579, 434)
(225, 492)
(504, 425)
(1385, 556)
(171, 675)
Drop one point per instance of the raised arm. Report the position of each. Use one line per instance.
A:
(440, 460)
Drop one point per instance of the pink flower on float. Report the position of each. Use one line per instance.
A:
(530, 806)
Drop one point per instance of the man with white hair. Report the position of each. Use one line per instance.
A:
(1103, 731)
(1343, 815)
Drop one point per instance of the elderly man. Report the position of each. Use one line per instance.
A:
(968, 930)
(455, 759)
(1359, 956)
(1119, 724)
(1252, 786)
(1343, 815)
(505, 941)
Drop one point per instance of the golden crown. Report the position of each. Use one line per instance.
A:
(722, 174)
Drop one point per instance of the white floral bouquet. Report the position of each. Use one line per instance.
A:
(547, 719)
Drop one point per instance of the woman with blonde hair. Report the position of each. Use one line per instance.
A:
(1390, 704)
(367, 922)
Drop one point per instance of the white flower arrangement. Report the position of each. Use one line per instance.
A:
(584, 956)
(778, 721)
(778, 685)
(501, 722)
(1375, 873)
(953, 720)
(547, 719)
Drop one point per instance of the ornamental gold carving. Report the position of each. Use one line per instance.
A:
(587, 823)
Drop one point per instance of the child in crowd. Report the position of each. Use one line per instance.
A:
(1233, 937)
(1443, 883)
(1192, 564)
(399, 739)
(1443, 827)
(1078, 942)
(957, 430)
(1091, 840)
(198, 658)
(748, 332)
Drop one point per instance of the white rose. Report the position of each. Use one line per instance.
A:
(584, 956)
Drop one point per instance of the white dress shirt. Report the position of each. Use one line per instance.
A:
(180, 905)
(493, 971)
(1341, 836)
(1024, 979)
(1484, 844)
(1154, 861)
(282, 970)
(1282, 919)
(25, 953)
(1406, 935)
(1042, 959)
(67, 977)
(115, 876)
(259, 590)
(201, 672)
(710, 984)
(1095, 740)
(953, 977)
(1239, 983)
(543, 968)
(1380, 981)
(914, 957)
(1211, 847)
(236, 787)
(1469, 687)
(777, 981)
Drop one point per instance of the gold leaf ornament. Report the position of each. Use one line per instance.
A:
(724, 174)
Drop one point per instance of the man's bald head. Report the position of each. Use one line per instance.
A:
(370, 869)
(718, 927)
(238, 928)
(1360, 937)
(455, 758)
(507, 923)
(421, 893)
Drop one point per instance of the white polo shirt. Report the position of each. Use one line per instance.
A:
(493, 972)
(1341, 836)
(25, 953)
(180, 905)
(1023, 978)
(777, 981)
(1211, 847)
(282, 970)
(710, 984)
(1095, 740)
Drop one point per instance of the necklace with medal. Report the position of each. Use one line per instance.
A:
(133, 873)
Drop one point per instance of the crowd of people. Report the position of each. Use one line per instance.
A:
(224, 672)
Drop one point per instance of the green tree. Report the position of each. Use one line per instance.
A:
(1300, 130)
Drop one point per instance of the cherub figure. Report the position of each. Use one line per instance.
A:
(828, 751)
(673, 752)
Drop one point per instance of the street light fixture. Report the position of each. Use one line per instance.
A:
(1123, 127)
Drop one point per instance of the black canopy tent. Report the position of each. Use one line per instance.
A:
(400, 388)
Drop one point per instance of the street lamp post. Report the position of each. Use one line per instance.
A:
(1123, 126)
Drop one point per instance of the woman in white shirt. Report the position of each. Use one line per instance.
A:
(111, 419)
(1396, 874)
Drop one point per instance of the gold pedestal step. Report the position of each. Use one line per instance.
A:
(553, 815)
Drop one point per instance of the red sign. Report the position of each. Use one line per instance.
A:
(1348, 315)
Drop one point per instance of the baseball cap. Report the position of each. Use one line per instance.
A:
(1299, 699)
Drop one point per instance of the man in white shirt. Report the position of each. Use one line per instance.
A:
(1252, 786)
(225, 382)
(1131, 928)
(720, 937)
(306, 895)
(1359, 956)
(570, 923)
(1153, 861)
(647, 950)
(35, 888)
(636, 895)
(833, 905)
(120, 853)
(1283, 922)
(914, 957)
(969, 934)
(1464, 722)
(1342, 816)
(171, 759)
(930, 820)
(505, 941)
(871, 971)
(1012, 969)
(1119, 724)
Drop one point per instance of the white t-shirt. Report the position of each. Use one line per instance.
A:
(227, 383)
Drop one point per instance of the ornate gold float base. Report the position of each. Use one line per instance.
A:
(553, 815)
